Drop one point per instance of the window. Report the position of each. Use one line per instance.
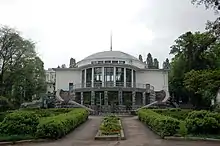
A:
(121, 62)
(97, 76)
(119, 77)
(83, 77)
(109, 76)
(108, 61)
(88, 77)
(115, 62)
(128, 77)
(100, 62)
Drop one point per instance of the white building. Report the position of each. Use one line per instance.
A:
(50, 80)
(111, 76)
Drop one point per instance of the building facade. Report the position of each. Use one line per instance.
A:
(111, 78)
(50, 80)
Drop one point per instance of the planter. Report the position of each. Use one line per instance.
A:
(120, 136)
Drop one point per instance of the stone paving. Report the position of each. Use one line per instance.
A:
(137, 134)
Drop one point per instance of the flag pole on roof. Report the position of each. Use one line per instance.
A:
(111, 41)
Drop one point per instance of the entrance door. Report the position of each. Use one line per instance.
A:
(99, 100)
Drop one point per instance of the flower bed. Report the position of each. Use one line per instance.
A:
(46, 124)
(110, 129)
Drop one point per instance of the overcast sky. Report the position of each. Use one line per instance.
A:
(77, 28)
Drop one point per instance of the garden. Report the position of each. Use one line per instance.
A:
(180, 123)
(110, 129)
(26, 124)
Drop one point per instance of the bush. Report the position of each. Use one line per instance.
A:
(4, 104)
(163, 125)
(177, 113)
(203, 122)
(20, 123)
(58, 126)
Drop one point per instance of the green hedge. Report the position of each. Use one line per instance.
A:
(19, 122)
(177, 113)
(203, 122)
(162, 125)
(58, 126)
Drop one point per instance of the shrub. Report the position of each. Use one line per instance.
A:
(163, 125)
(19, 122)
(58, 126)
(177, 113)
(203, 122)
(4, 104)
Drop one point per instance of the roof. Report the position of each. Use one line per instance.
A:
(110, 55)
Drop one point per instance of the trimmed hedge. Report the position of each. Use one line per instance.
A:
(57, 126)
(162, 125)
(203, 122)
(177, 113)
(19, 123)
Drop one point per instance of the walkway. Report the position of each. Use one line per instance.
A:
(136, 133)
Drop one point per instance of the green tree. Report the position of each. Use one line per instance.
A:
(140, 58)
(149, 61)
(21, 71)
(156, 63)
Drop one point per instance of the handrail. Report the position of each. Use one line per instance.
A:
(112, 84)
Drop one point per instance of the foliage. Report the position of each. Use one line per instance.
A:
(193, 51)
(110, 125)
(13, 138)
(57, 126)
(149, 61)
(163, 125)
(177, 113)
(4, 104)
(203, 122)
(166, 64)
(21, 70)
(20, 123)
(156, 63)
(204, 84)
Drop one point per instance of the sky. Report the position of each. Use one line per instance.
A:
(78, 28)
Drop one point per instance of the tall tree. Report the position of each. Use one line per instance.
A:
(20, 68)
(149, 61)
(140, 58)
(156, 63)
(166, 64)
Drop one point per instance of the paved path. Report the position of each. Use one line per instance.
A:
(137, 134)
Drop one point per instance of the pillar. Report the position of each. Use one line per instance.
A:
(133, 97)
(125, 84)
(81, 98)
(120, 102)
(74, 96)
(114, 74)
(106, 97)
(103, 77)
(132, 78)
(92, 77)
(144, 98)
(85, 79)
(92, 97)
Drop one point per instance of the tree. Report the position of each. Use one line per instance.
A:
(140, 58)
(213, 4)
(21, 71)
(156, 63)
(149, 61)
(63, 66)
(193, 51)
(204, 85)
(166, 64)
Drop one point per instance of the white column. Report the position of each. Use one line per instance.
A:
(132, 78)
(85, 80)
(93, 77)
(103, 78)
(114, 74)
(125, 77)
